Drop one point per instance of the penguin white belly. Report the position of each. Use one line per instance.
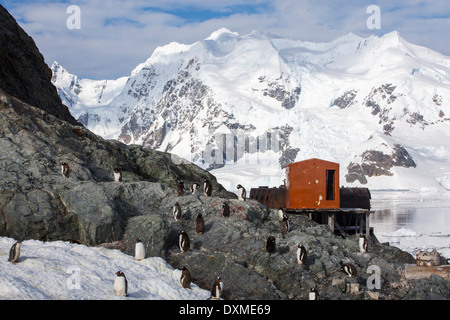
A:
(117, 176)
(241, 194)
(312, 296)
(219, 290)
(120, 286)
(362, 245)
(140, 251)
(181, 243)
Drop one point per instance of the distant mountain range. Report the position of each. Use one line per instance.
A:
(245, 106)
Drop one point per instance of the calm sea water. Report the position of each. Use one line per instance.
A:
(412, 224)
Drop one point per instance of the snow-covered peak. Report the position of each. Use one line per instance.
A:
(221, 33)
(335, 100)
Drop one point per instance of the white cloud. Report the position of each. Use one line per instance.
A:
(117, 35)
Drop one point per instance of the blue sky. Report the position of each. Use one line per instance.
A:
(117, 35)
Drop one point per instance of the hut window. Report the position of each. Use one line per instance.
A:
(330, 184)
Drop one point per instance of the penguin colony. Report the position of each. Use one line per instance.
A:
(121, 284)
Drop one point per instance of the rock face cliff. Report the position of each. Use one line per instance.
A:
(23, 72)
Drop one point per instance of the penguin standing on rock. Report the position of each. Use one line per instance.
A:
(181, 189)
(185, 278)
(313, 294)
(225, 210)
(285, 226)
(217, 289)
(270, 245)
(139, 251)
(348, 269)
(200, 224)
(177, 214)
(14, 252)
(117, 175)
(65, 170)
(194, 187)
(242, 193)
(183, 241)
(120, 285)
(362, 243)
(207, 187)
(301, 255)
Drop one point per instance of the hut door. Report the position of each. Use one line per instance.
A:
(330, 184)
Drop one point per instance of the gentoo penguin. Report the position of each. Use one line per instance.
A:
(313, 294)
(270, 245)
(207, 187)
(242, 193)
(185, 278)
(183, 241)
(181, 189)
(121, 284)
(362, 243)
(284, 225)
(194, 187)
(281, 214)
(225, 210)
(200, 224)
(139, 251)
(117, 175)
(348, 269)
(65, 170)
(217, 289)
(14, 252)
(177, 212)
(301, 255)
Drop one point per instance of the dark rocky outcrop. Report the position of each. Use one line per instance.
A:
(376, 163)
(23, 72)
(37, 202)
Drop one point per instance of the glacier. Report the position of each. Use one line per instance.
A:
(244, 106)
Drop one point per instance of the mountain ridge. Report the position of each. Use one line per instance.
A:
(341, 101)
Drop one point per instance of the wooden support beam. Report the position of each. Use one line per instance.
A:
(331, 221)
(367, 223)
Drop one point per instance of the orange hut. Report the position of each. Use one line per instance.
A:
(312, 184)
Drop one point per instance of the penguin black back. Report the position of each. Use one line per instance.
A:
(284, 225)
(270, 245)
(301, 255)
(181, 188)
(14, 252)
(207, 187)
(183, 241)
(185, 278)
(217, 288)
(225, 210)
(200, 224)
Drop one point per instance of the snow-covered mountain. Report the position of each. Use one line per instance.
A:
(245, 106)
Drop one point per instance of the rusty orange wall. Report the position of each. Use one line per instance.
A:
(306, 182)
